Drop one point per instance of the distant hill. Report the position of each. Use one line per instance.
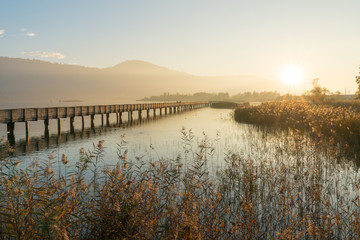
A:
(26, 83)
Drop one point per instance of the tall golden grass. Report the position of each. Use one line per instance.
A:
(335, 125)
(293, 196)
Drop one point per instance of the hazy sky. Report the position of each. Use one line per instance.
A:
(202, 37)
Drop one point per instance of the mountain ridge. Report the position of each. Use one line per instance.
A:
(24, 80)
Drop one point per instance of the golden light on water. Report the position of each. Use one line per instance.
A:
(291, 75)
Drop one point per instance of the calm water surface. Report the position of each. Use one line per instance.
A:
(155, 138)
(148, 138)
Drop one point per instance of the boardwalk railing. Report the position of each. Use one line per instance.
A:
(11, 116)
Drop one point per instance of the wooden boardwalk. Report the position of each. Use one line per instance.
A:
(38, 143)
(11, 116)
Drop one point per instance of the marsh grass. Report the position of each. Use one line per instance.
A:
(335, 126)
(295, 195)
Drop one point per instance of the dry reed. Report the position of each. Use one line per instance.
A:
(285, 198)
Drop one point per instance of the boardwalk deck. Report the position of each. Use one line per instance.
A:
(35, 114)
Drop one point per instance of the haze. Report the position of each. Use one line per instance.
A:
(34, 83)
(201, 38)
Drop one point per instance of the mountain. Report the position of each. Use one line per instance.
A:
(26, 83)
(141, 68)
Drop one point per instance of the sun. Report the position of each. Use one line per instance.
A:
(291, 75)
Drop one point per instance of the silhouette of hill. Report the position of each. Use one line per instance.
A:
(26, 83)
(142, 68)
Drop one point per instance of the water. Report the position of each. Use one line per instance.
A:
(160, 137)
(147, 138)
(156, 137)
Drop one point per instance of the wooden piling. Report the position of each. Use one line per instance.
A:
(92, 121)
(46, 123)
(10, 133)
(82, 123)
(27, 131)
(108, 119)
(10, 127)
(130, 117)
(72, 129)
(46, 131)
(59, 126)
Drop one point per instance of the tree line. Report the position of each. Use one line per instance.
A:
(222, 96)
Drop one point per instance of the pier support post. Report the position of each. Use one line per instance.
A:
(160, 111)
(92, 121)
(27, 132)
(120, 118)
(165, 110)
(10, 127)
(154, 112)
(148, 113)
(139, 112)
(72, 129)
(59, 126)
(46, 123)
(82, 123)
(46, 133)
(108, 119)
(117, 118)
(10, 133)
(102, 120)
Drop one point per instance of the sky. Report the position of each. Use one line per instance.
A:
(321, 39)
